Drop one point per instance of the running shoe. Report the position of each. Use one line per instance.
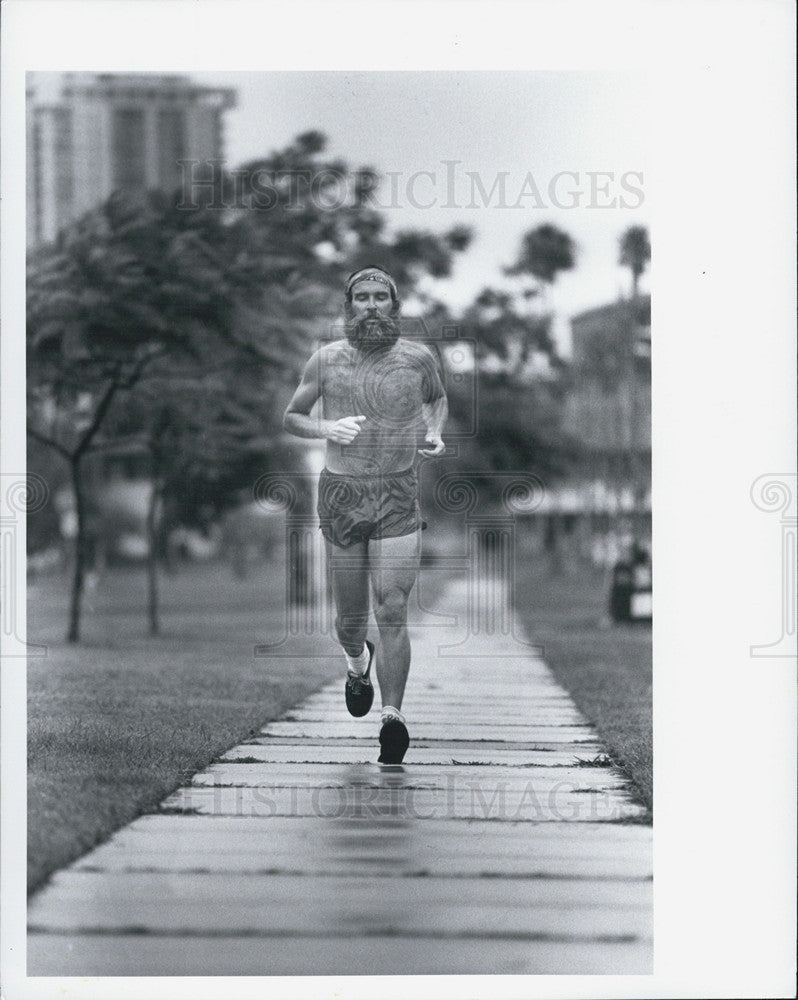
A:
(394, 741)
(359, 691)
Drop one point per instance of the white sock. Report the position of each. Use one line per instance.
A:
(389, 712)
(358, 664)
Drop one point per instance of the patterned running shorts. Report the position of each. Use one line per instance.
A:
(358, 508)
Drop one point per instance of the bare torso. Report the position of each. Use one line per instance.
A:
(386, 386)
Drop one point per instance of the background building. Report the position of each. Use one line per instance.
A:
(602, 505)
(89, 134)
(608, 411)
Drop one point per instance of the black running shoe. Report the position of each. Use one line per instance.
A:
(359, 690)
(394, 741)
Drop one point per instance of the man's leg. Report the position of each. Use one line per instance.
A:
(394, 564)
(349, 579)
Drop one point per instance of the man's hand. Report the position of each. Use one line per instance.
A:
(434, 415)
(437, 447)
(343, 431)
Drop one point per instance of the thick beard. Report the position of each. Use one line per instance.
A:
(377, 331)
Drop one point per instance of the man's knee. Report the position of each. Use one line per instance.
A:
(351, 628)
(390, 607)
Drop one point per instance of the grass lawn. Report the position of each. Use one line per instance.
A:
(607, 670)
(121, 720)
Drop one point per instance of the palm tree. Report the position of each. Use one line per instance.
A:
(635, 253)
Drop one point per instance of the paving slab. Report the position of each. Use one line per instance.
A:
(226, 955)
(366, 746)
(557, 806)
(491, 850)
(474, 715)
(264, 905)
(624, 837)
(378, 856)
(439, 753)
(257, 774)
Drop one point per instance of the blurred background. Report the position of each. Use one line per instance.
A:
(188, 239)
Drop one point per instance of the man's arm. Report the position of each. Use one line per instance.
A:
(297, 419)
(434, 413)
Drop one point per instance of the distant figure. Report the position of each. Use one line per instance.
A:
(376, 389)
(630, 595)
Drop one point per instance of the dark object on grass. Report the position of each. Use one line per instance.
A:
(630, 595)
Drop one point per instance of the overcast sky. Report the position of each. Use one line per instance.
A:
(528, 127)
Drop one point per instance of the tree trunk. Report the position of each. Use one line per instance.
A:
(553, 546)
(78, 574)
(152, 558)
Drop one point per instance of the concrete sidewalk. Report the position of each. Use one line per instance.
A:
(498, 846)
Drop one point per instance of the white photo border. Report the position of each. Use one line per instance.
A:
(723, 293)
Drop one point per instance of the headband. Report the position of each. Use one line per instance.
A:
(372, 274)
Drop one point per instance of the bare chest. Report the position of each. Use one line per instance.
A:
(385, 388)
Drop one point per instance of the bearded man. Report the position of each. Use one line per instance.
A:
(375, 391)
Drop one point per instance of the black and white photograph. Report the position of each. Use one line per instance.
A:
(353, 403)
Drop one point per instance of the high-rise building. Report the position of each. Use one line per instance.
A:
(89, 134)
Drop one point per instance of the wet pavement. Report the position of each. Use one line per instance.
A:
(503, 843)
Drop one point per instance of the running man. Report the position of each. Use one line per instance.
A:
(376, 391)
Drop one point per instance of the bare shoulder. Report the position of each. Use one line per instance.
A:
(421, 356)
(334, 352)
(413, 347)
(326, 356)
(415, 350)
(334, 347)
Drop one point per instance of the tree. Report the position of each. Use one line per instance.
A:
(505, 336)
(518, 427)
(545, 252)
(43, 528)
(208, 425)
(519, 409)
(520, 406)
(198, 423)
(301, 215)
(635, 253)
(129, 284)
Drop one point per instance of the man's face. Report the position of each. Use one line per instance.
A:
(371, 299)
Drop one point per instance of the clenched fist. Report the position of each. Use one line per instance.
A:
(436, 445)
(345, 430)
